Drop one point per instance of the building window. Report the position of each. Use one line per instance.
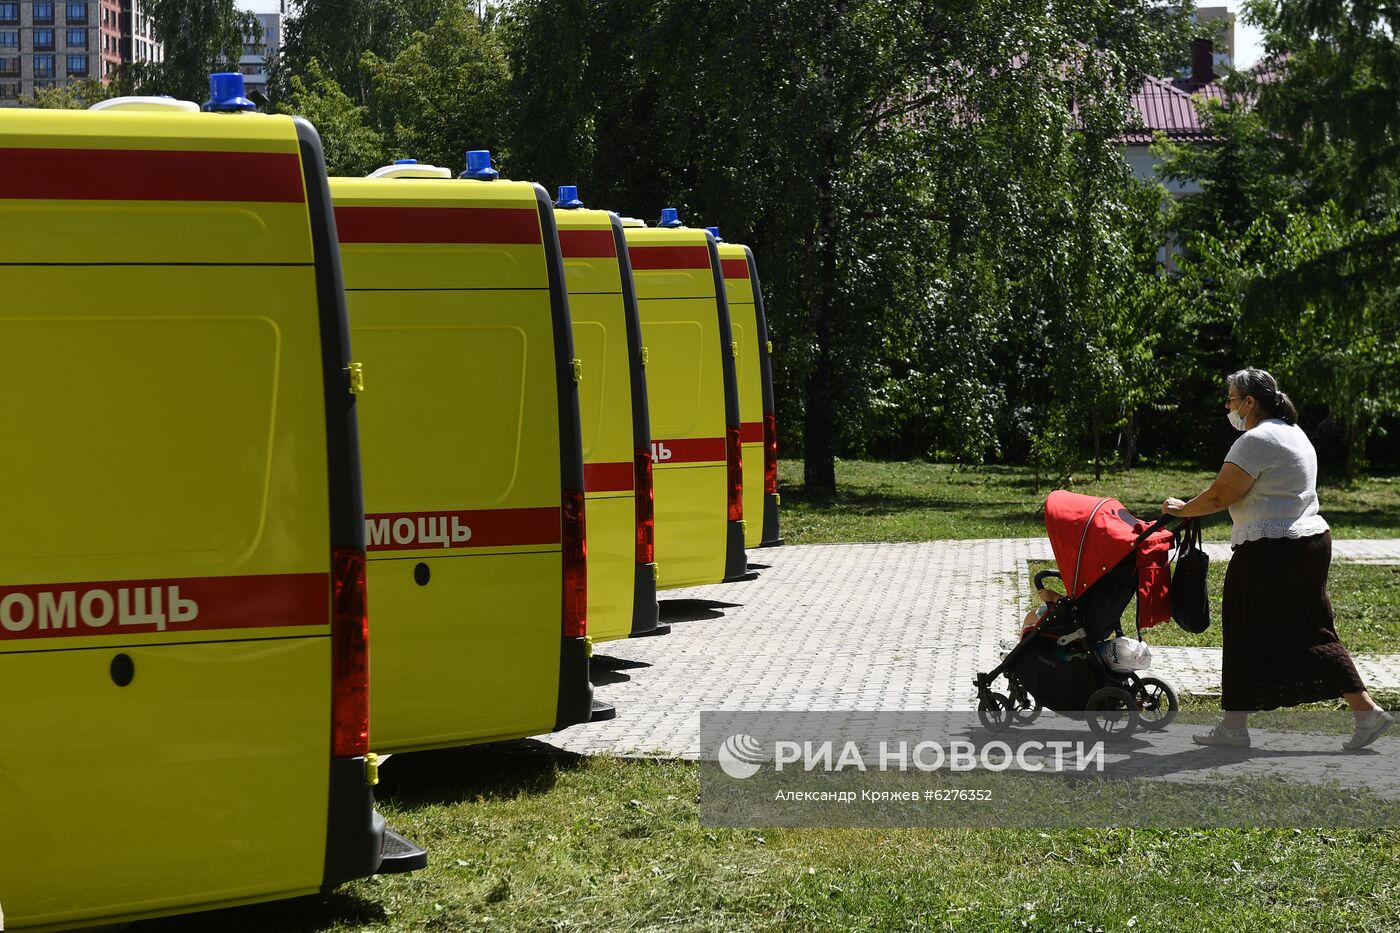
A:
(9, 91)
(43, 66)
(43, 11)
(43, 40)
(9, 39)
(77, 11)
(9, 67)
(77, 38)
(9, 12)
(77, 66)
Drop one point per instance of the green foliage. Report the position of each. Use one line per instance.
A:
(955, 259)
(338, 33)
(75, 95)
(445, 92)
(352, 147)
(1293, 244)
(200, 37)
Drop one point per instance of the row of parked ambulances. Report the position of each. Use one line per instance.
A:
(249, 408)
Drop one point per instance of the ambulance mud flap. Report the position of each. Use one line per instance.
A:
(575, 688)
(400, 855)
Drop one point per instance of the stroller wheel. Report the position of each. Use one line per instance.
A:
(1112, 712)
(994, 709)
(1025, 709)
(1157, 703)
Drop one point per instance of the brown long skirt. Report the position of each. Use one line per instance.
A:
(1280, 645)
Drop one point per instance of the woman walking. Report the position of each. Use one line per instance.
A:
(1280, 645)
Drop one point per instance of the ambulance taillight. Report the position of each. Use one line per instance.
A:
(575, 618)
(646, 509)
(770, 453)
(349, 655)
(735, 463)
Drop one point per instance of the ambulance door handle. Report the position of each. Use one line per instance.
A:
(577, 365)
(645, 358)
(356, 373)
(770, 348)
(734, 349)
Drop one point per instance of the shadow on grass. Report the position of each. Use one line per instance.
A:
(299, 915)
(500, 771)
(1357, 518)
(693, 610)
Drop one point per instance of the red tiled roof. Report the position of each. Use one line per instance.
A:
(1163, 108)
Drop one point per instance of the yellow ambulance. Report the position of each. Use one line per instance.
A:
(473, 473)
(183, 631)
(693, 400)
(758, 429)
(617, 467)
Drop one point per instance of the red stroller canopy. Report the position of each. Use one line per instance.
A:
(1090, 534)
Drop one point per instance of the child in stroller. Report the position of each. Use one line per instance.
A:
(1105, 556)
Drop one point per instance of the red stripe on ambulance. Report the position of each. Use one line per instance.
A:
(416, 531)
(735, 268)
(508, 225)
(150, 175)
(751, 432)
(609, 477)
(646, 258)
(688, 450)
(587, 244)
(187, 604)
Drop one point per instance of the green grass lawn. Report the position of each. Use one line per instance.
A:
(925, 501)
(524, 841)
(1365, 599)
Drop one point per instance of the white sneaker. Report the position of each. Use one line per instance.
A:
(1368, 729)
(1229, 738)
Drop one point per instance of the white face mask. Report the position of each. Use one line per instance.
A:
(1237, 420)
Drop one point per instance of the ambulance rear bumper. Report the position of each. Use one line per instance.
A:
(400, 855)
(736, 562)
(575, 689)
(772, 537)
(354, 829)
(646, 614)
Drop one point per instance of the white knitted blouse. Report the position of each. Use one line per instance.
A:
(1282, 503)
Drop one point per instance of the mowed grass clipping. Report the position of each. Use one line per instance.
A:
(916, 501)
(528, 841)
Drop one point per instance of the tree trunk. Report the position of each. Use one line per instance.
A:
(1128, 446)
(819, 454)
(1098, 446)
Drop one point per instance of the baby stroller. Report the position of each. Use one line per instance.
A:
(1106, 556)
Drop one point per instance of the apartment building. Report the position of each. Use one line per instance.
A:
(45, 43)
(259, 54)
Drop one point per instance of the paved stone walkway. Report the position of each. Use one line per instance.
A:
(850, 627)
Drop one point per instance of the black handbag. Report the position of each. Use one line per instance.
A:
(1190, 601)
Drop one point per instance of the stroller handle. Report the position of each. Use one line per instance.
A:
(1044, 575)
(1157, 526)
